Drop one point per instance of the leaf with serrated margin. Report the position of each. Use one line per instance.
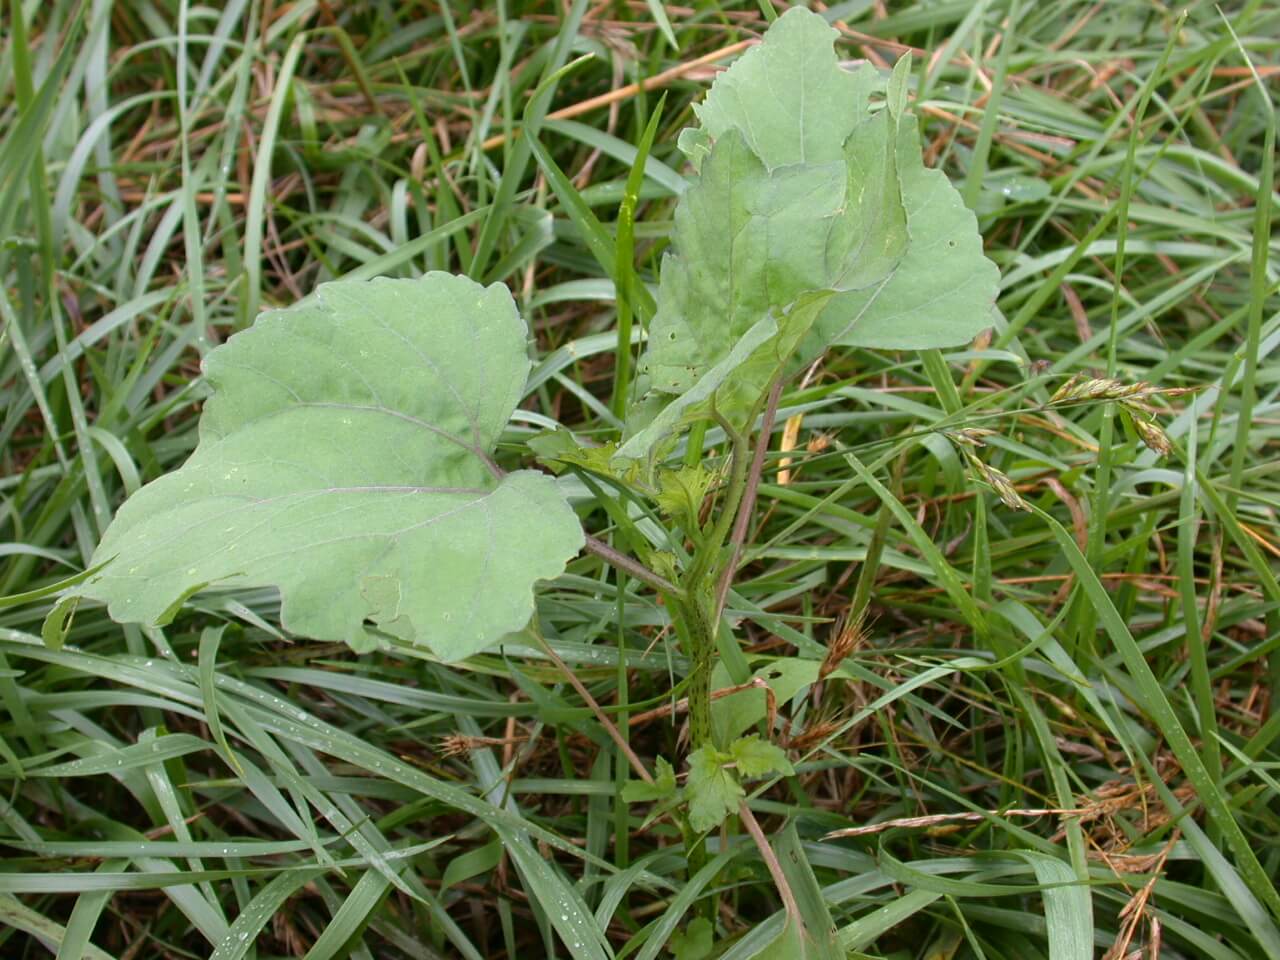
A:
(712, 788)
(754, 757)
(345, 457)
(663, 786)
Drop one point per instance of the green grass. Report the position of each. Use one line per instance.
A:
(215, 789)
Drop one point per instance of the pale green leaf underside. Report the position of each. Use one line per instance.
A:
(787, 97)
(667, 419)
(800, 191)
(750, 242)
(345, 459)
(943, 292)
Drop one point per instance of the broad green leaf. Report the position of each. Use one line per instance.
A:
(943, 291)
(795, 193)
(808, 209)
(740, 234)
(346, 458)
(750, 243)
(737, 713)
(695, 942)
(712, 788)
(754, 757)
(788, 97)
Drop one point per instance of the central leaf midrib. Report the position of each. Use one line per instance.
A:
(481, 496)
(475, 450)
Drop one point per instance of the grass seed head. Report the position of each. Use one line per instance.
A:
(849, 638)
(1152, 435)
(998, 481)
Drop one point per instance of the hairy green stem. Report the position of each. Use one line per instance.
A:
(705, 559)
(746, 507)
(702, 634)
(699, 611)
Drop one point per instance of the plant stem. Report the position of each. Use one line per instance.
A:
(699, 609)
(771, 861)
(702, 636)
(633, 568)
(706, 556)
(747, 507)
(693, 445)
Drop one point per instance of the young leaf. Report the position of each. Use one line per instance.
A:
(345, 458)
(558, 448)
(681, 492)
(896, 95)
(662, 788)
(554, 448)
(755, 757)
(713, 790)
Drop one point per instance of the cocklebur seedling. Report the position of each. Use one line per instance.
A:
(811, 221)
(346, 456)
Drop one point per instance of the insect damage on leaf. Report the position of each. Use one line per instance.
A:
(813, 212)
(345, 457)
